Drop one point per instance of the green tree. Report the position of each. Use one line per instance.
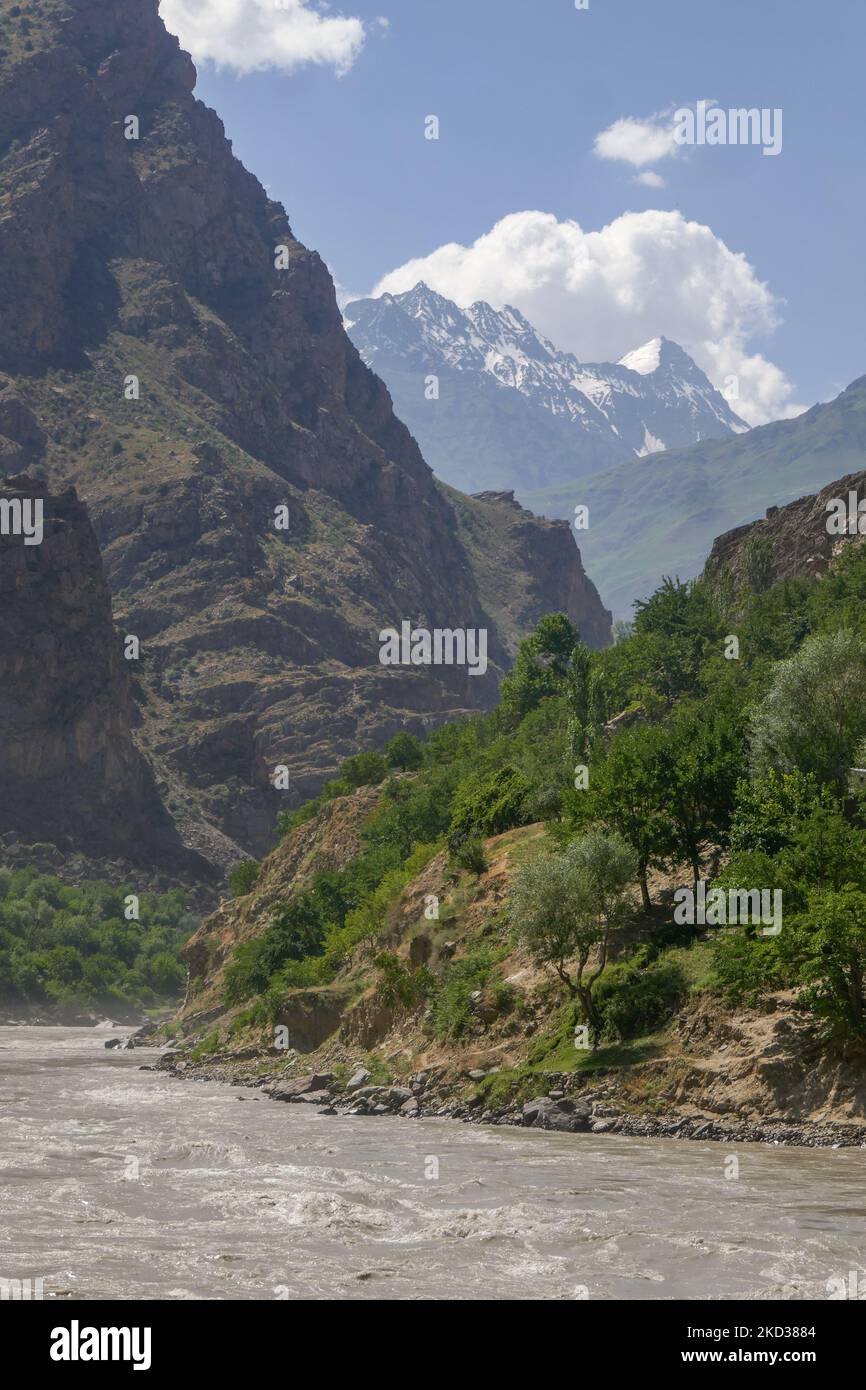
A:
(628, 794)
(701, 762)
(825, 851)
(165, 974)
(364, 769)
(243, 878)
(543, 667)
(831, 938)
(769, 810)
(487, 807)
(565, 908)
(579, 687)
(814, 714)
(676, 609)
(405, 751)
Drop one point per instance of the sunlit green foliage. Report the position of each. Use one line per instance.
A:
(75, 946)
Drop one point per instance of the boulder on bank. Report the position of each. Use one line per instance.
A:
(546, 1113)
(302, 1088)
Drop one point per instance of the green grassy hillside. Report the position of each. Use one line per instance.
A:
(660, 515)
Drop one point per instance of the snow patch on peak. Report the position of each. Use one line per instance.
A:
(651, 444)
(644, 360)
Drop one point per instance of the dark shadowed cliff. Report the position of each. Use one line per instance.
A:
(70, 773)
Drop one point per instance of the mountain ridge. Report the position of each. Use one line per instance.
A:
(511, 409)
(662, 514)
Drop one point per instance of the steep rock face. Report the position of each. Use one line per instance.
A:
(792, 542)
(70, 772)
(525, 567)
(183, 362)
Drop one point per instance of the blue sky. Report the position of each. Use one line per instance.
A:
(522, 90)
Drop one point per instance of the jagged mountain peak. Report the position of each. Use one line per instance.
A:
(662, 354)
(421, 301)
(519, 412)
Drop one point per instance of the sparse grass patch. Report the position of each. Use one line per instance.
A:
(511, 1086)
(209, 1044)
(623, 1055)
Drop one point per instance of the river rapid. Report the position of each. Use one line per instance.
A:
(119, 1183)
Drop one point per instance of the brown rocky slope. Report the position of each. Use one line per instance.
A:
(170, 348)
(791, 542)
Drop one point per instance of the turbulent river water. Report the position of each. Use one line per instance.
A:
(124, 1184)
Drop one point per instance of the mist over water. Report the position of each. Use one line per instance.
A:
(238, 1197)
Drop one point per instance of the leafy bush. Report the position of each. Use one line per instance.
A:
(769, 809)
(398, 985)
(364, 770)
(209, 1044)
(635, 999)
(495, 804)
(404, 751)
(243, 878)
(745, 965)
(451, 1012)
(470, 855)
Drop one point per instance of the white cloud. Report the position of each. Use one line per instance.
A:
(638, 142)
(603, 293)
(650, 179)
(641, 140)
(248, 35)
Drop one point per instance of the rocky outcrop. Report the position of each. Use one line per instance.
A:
(793, 542)
(70, 772)
(169, 347)
(526, 566)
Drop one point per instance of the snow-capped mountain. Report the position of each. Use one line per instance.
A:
(508, 409)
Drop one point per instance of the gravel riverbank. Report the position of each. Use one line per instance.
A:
(563, 1103)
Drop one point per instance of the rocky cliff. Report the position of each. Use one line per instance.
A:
(792, 542)
(70, 772)
(170, 348)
